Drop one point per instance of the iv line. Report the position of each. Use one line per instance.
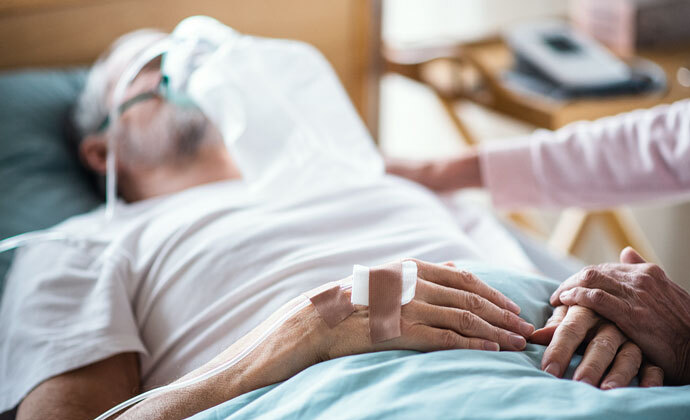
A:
(218, 369)
(127, 77)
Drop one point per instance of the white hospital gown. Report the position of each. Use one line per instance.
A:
(180, 278)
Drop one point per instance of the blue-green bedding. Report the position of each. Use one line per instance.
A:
(465, 384)
(41, 180)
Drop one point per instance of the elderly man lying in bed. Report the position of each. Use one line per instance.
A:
(175, 284)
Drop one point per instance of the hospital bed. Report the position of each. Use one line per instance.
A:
(42, 184)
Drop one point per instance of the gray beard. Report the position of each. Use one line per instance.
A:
(173, 137)
(189, 132)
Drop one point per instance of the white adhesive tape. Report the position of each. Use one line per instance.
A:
(360, 283)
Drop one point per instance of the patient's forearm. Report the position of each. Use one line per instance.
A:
(85, 392)
(285, 353)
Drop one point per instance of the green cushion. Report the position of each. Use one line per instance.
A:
(41, 180)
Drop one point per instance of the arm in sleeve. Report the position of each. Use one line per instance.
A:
(631, 157)
(66, 305)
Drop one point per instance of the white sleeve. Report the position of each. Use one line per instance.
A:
(65, 305)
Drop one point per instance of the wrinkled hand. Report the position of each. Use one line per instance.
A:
(644, 303)
(607, 347)
(440, 175)
(452, 309)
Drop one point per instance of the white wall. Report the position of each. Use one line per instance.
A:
(423, 20)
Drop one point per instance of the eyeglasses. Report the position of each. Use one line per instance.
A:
(145, 96)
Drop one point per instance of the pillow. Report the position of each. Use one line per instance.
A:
(42, 182)
(467, 384)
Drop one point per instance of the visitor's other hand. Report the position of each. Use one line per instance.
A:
(607, 349)
(645, 305)
(440, 175)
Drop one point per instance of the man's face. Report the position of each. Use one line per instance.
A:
(149, 133)
(154, 132)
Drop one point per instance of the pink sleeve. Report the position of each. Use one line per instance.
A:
(631, 157)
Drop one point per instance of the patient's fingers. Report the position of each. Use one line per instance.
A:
(465, 323)
(625, 367)
(651, 375)
(568, 336)
(445, 296)
(426, 338)
(556, 317)
(463, 280)
(600, 353)
(544, 335)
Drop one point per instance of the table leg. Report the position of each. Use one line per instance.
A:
(621, 225)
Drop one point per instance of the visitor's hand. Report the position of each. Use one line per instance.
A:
(607, 348)
(452, 309)
(644, 303)
(440, 175)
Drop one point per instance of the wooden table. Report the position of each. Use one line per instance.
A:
(473, 71)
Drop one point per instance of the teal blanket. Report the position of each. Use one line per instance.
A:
(455, 384)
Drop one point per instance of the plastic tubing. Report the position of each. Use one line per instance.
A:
(218, 369)
(30, 237)
(155, 50)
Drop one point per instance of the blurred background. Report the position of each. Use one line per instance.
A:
(415, 124)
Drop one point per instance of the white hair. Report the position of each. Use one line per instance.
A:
(91, 107)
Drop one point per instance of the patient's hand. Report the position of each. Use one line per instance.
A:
(452, 309)
(607, 348)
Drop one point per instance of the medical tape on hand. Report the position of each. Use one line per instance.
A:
(384, 289)
(332, 305)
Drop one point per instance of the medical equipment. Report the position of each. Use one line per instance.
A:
(384, 289)
(386, 296)
(360, 283)
(556, 62)
(273, 123)
(30, 237)
(566, 57)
